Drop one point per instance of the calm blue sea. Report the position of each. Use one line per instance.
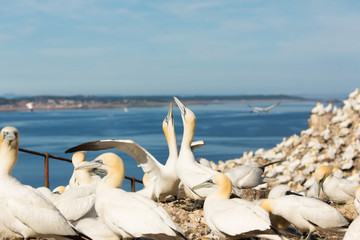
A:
(229, 129)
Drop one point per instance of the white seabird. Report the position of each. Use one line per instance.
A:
(353, 231)
(306, 214)
(23, 210)
(338, 190)
(260, 109)
(233, 218)
(191, 172)
(128, 214)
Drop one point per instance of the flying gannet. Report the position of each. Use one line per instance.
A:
(257, 110)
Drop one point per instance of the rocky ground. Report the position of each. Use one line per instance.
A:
(332, 138)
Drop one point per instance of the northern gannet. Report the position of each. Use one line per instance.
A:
(257, 110)
(128, 214)
(336, 189)
(96, 229)
(87, 177)
(164, 179)
(357, 200)
(306, 214)
(191, 172)
(23, 210)
(247, 176)
(233, 218)
(353, 231)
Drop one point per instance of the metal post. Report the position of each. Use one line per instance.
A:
(133, 184)
(46, 170)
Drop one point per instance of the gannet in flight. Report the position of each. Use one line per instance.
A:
(233, 218)
(191, 172)
(306, 214)
(336, 189)
(23, 210)
(163, 180)
(265, 110)
(128, 214)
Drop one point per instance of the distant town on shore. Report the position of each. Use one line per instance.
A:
(97, 102)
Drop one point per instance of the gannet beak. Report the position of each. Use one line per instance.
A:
(180, 105)
(10, 135)
(95, 164)
(321, 183)
(206, 184)
(170, 115)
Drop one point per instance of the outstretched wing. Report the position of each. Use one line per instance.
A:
(143, 158)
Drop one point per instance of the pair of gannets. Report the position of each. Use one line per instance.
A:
(336, 189)
(159, 180)
(24, 212)
(128, 214)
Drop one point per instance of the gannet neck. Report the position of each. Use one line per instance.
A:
(189, 122)
(115, 169)
(9, 149)
(83, 177)
(322, 173)
(224, 187)
(170, 135)
(267, 204)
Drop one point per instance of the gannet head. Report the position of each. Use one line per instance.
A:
(267, 204)
(112, 164)
(59, 190)
(9, 137)
(168, 122)
(9, 148)
(78, 158)
(223, 183)
(321, 174)
(187, 115)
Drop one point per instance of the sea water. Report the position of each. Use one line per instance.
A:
(229, 129)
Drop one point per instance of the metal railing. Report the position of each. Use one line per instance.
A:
(46, 167)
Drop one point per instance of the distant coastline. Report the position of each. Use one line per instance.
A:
(107, 102)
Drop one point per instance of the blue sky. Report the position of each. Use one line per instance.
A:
(63, 47)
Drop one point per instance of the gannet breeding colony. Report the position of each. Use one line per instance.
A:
(306, 187)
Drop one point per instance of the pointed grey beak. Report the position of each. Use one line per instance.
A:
(180, 105)
(95, 164)
(169, 116)
(206, 184)
(10, 136)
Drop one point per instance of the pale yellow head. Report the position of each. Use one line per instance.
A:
(9, 149)
(59, 189)
(78, 158)
(322, 173)
(224, 185)
(115, 168)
